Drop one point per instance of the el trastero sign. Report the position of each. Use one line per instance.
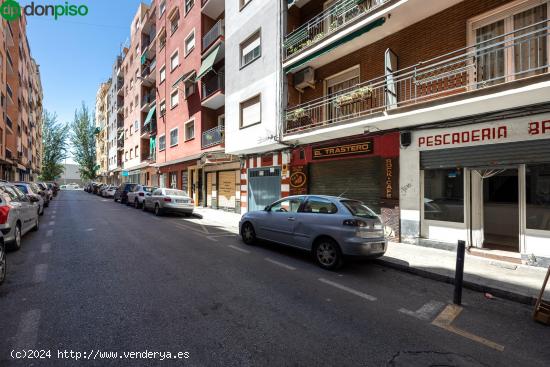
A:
(342, 150)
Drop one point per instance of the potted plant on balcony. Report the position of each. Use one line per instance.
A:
(297, 118)
(357, 95)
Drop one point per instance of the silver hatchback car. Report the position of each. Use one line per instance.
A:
(330, 227)
(168, 200)
(18, 214)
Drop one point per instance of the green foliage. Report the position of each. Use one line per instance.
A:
(54, 142)
(83, 141)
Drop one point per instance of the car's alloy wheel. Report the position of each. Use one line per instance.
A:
(3, 263)
(17, 237)
(36, 225)
(328, 255)
(248, 233)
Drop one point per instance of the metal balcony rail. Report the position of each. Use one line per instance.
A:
(212, 137)
(212, 85)
(505, 58)
(148, 98)
(328, 22)
(212, 35)
(120, 83)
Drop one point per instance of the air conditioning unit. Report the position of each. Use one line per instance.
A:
(304, 78)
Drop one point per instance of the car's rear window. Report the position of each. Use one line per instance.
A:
(359, 209)
(175, 192)
(148, 189)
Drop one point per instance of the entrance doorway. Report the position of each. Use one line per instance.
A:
(501, 210)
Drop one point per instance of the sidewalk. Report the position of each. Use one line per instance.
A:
(520, 283)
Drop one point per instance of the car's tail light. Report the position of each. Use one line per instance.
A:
(4, 212)
(141, 194)
(168, 200)
(355, 223)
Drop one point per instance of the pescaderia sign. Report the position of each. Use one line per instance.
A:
(333, 151)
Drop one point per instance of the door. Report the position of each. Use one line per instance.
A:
(264, 187)
(501, 210)
(278, 223)
(338, 85)
(226, 190)
(209, 181)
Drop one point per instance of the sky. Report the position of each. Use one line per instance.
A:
(76, 54)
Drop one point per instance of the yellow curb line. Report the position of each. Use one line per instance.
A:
(448, 315)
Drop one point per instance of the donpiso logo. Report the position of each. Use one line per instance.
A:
(11, 10)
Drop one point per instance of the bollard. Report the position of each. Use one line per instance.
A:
(459, 272)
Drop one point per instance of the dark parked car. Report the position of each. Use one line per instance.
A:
(54, 187)
(122, 192)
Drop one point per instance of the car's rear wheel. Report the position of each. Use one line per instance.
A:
(327, 254)
(158, 211)
(248, 234)
(16, 243)
(3, 262)
(36, 225)
(143, 207)
(136, 204)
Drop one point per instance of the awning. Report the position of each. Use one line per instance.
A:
(208, 63)
(295, 66)
(121, 136)
(150, 115)
(185, 77)
(144, 57)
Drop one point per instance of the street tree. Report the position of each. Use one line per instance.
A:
(54, 142)
(83, 142)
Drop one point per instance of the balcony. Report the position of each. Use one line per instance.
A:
(212, 137)
(147, 101)
(330, 21)
(458, 74)
(213, 90)
(120, 86)
(216, 32)
(213, 8)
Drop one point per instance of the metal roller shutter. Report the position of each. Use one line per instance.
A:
(264, 187)
(354, 178)
(536, 151)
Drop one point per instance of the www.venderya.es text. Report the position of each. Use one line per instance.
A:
(96, 354)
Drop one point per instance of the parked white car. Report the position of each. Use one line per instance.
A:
(138, 194)
(168, 200)
(109, 192)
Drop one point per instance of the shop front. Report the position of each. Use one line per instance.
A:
(487, 184)
(363, 168)
(222, 177)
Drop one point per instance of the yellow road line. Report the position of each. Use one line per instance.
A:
(448, 315)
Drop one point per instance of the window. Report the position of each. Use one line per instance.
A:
(510, 44)
(162, 142)
(162, 39)
(162, 8)
(173, 181)
(250, 49)
(320, 206)
(162, 74)
(250, 112)
(174, 21)
(136, 151)
(537, 193)
(174, 98)
(174, 60)
(174, 137)
(131, 153)
(287, 205)
(190, 43)
(162, 107)
(243, 3)
(444, 195)
(189, 87)
(190, 130)
(188, 5)
(136, 126)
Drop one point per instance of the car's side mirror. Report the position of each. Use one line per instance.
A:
(267, 208)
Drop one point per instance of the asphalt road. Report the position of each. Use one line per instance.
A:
(101, 277)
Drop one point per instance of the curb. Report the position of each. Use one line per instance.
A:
(497, 292)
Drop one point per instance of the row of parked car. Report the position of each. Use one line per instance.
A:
(148, 198)
(21, 205)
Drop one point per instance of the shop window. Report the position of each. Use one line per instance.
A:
(320, 206)
(538, 197)
(444, 195)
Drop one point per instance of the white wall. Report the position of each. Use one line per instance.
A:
(261, 76)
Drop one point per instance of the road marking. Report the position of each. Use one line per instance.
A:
(350, 290)
(49, 233)
(27, 330)
(448, 315)
(239, 249)
(46, 247)
(52, 223)
(213, 238)
(40, 272)
(90, 229)
(280, 264)
(426, 312)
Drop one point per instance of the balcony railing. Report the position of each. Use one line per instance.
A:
(148, 98)
(505, 58)
(328, 22)
(212, 85)
(212, 137)
(212, 35)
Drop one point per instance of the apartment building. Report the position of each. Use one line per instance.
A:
(23, 106)
(436, 116)
(3, 97)
(115, 124)
(101, 130)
